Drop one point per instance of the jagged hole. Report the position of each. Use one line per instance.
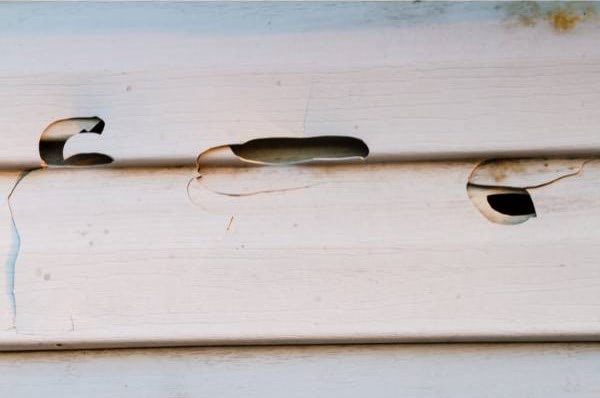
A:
(512, 204)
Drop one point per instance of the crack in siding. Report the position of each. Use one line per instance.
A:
(242, 194)
(552, 181)
(51, 150)
(235, 195)
(15, 248)
(575, 173)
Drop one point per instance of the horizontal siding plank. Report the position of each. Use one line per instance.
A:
(412, 80)
(424, 371)
(309, 253)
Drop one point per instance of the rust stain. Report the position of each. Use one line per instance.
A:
(562, 17)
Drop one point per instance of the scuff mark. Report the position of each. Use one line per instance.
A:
(229, 224)
(14, 251)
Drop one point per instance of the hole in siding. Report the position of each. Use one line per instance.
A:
(226, 163)
(299, 150)
(500, 188)
(502, 205)
(512, 204)
(529, 173)
(55, 136)
(88, 159)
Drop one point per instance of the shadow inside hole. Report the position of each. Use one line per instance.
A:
(88, 159)
(55, 136)
(286, 150)
(97, 129)
(512, 203)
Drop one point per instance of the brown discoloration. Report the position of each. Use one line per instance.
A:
(561, 17)
(504, 167)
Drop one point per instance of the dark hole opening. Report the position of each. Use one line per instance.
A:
(98, 128)
(52, 144)
(512, 204)
(88, 159)
(296, 150)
